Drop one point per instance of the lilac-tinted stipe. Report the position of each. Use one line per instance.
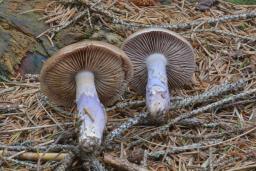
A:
(157, 92)
(93, 117)
(90, 111)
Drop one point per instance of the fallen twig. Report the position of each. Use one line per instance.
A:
(216, 91)
(122, 164)
(198, 111)
(34, 156)
(122, 105)
(223, 33)
(123, 127)
(186, 25)
(55, 147)
(21, 163)
(192, 122)
(9, 107)
(99, 8)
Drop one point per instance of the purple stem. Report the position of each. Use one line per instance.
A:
(91, 112)
(157, 92)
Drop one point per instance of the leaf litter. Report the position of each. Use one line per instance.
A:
(209, 132)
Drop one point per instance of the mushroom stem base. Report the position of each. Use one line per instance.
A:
(157, 92)
(91, 113)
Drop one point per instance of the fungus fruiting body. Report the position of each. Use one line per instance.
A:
(161, 60)
(157, 92)
(90, 110)
(87, 73)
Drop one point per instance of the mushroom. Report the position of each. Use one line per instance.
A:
(87, 73)
(162, 60)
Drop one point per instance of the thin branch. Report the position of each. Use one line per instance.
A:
(29, 165)
(123, 127)
(192, 122)
(9, 107)
(55, 147)
(223, 33)
(122, 164)
(34, 155)
(122, 105)
(197, 112)
(21, 163)
(214, 92)
(99, 8)
(187, 25)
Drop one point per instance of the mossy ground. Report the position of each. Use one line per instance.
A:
(243, 2)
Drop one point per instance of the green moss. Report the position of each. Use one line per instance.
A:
(243, 26)
(243, 2)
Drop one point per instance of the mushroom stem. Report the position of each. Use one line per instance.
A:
(90, 111)
(157, 92)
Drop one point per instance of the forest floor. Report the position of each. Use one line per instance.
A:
(211, 124)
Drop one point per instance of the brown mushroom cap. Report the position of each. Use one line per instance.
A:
(177, 50)
(111, 67)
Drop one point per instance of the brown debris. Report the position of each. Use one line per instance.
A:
(221, 138)
(122, 164)
(136, 155)
(143, 2)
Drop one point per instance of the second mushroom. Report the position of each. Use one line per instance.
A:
(162, 60)
(87, 73)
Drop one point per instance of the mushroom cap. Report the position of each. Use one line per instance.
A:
(177, 50)
(111, 67)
